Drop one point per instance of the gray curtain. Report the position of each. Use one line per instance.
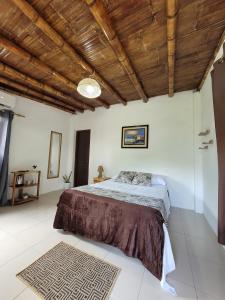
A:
(6, 118)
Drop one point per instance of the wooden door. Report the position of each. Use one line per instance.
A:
(82, 157)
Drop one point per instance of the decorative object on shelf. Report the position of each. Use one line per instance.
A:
(203, 133)
(89, 88)
(210, 142)
(66, 180)
(97, 179)
(34, 167)
(203, 148)
(134, 137)
(100, 172)
(54, 155)
(25, 196)
(21, 197)
(20, 180)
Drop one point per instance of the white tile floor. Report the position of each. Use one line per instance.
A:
(26, 233)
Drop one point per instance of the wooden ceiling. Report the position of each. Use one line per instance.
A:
(135, 49)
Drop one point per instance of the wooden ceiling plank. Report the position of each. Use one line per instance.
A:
(64, 46)
(217, 25)
(11, 91)
(26, 90)
(102, 102)
(100, 14)
(11, 72)
(212, 59)
(171, 42)
(18, 51)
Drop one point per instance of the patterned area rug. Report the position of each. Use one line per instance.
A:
(66, 273)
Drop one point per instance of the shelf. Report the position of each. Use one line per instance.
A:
(203, 148)
(23, 186)
(210, 142)
(204, 133)
(25, 172)
(19, 201)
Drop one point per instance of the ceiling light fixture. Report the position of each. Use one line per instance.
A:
(89, 88)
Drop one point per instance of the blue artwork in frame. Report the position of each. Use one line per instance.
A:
(134, 136)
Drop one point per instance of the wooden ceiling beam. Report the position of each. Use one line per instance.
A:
(100, 14)
(172, 10)
(35, 94)
(64, 46)
(212, 59)
(25, 55)
(12, 73)
(20, 94)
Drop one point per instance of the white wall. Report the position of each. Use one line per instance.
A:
(31, 137)
(171, 142)
(209, 157)
(199, 201)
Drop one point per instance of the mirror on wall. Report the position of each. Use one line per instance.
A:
(54, 154)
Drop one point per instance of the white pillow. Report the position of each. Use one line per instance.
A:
(158, 179)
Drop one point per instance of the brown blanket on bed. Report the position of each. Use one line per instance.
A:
(136, 230)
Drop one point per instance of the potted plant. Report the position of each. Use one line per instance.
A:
(66, 180)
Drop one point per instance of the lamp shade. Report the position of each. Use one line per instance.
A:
(89, 88)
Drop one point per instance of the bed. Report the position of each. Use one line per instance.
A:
(129, 216)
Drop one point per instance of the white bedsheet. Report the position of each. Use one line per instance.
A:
(156, 191)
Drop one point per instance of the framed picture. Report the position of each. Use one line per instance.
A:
(19, 180)
(134, 137)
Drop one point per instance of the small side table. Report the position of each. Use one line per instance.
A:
(97, 179)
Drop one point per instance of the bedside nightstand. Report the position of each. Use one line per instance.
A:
(97, 180)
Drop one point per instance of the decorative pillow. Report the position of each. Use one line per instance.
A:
(142, 179)
(125, 177)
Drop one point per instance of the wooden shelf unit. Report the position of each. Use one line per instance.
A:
(19, 200)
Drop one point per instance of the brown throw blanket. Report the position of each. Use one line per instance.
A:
(136, 230)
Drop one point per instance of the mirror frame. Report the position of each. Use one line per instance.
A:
(50, 152)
